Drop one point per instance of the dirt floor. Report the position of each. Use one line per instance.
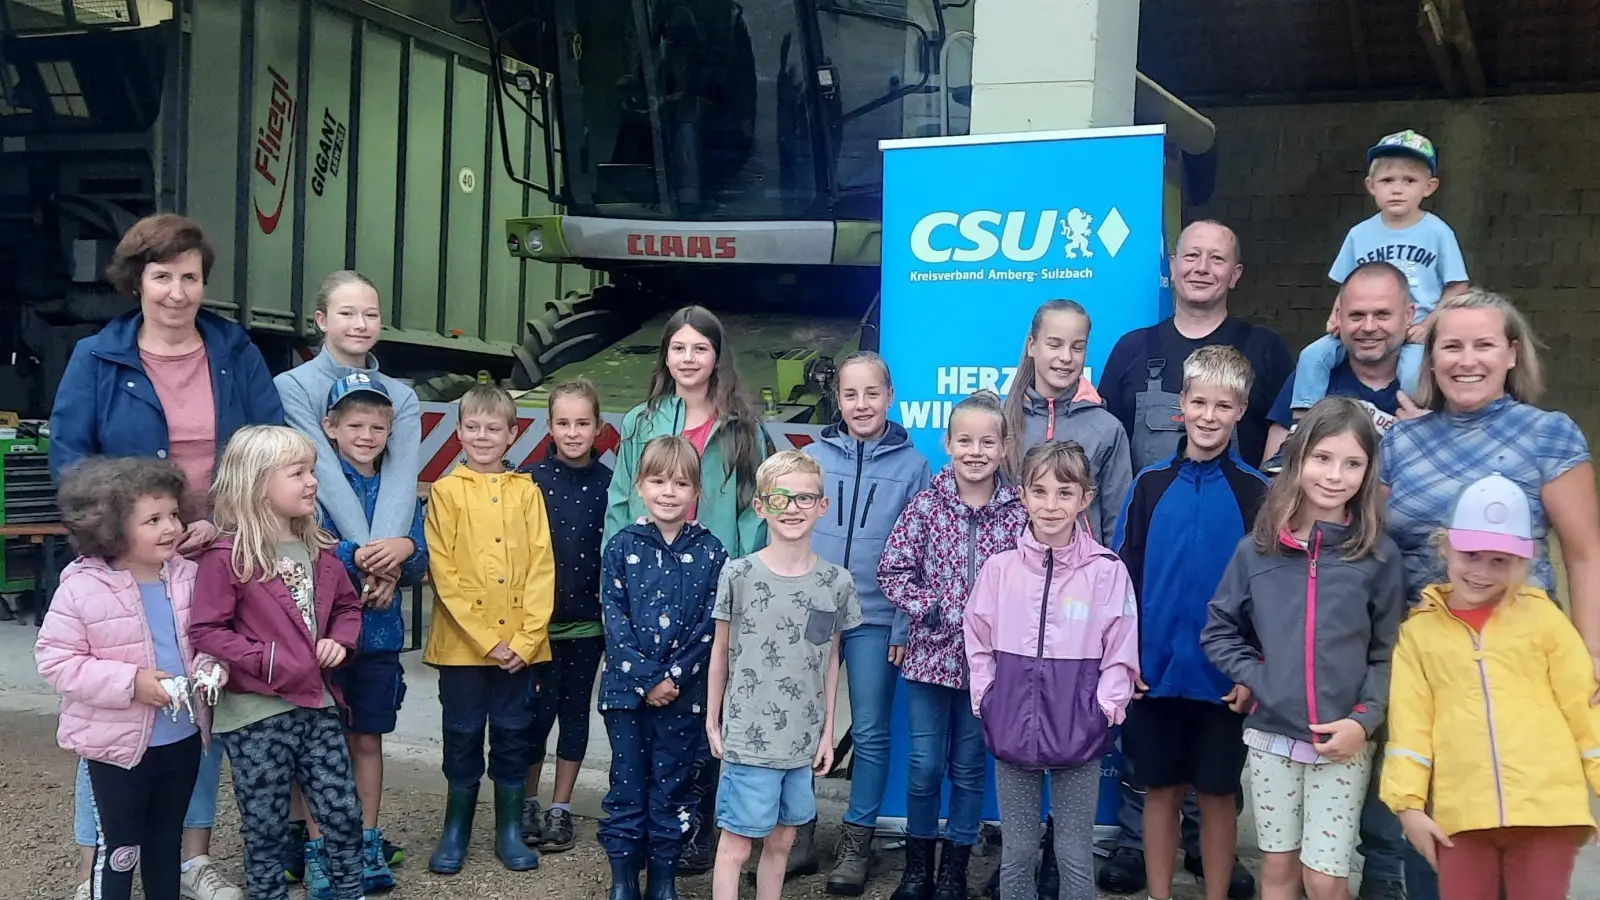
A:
(36, 804)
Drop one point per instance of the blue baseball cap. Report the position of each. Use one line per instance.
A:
(1406, 143)
(357, 383)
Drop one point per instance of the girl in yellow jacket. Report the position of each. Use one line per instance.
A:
(1489, 715)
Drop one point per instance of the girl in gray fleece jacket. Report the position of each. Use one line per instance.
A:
(349, 314)
(1050, 400)
(1304, 621)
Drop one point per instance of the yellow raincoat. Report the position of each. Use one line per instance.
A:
(493, 570)
(1499, 724)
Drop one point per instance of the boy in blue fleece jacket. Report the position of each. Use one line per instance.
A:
(1179, 523)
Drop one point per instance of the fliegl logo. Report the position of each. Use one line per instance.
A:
(978, 245)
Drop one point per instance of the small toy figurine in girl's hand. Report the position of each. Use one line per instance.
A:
(207, 683)
(177, 689)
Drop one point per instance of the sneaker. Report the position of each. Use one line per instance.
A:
(318, 885)
(394, 853)
(1241, 884)
(556, 834)
(203, 881)
(532, 822)
(1273, 466)
(294, 858)
(1123, 873)
(85, 891)
(376, 877)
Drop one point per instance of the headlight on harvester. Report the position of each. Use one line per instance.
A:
(535, 240)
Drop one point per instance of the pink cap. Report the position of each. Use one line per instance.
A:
(1493, 514)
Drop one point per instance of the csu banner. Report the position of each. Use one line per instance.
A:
(977, 232)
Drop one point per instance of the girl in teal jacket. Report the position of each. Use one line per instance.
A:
(695, 392)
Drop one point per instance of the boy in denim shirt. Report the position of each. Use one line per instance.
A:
(357, 424)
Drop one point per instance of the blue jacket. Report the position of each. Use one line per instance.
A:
(575, 502)
(867, 483)
(656, 600)
(382, 630)
(106, 405)
(1178, 530)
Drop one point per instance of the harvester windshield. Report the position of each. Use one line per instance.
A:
(711, 110)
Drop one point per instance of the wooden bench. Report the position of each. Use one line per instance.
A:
(47, 539)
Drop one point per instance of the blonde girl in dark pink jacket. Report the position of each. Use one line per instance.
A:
(113, 644)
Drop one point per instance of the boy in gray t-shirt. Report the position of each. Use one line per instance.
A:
(774, 676)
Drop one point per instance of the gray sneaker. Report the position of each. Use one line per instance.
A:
(851, 861)
(557, 831)
(532, 822)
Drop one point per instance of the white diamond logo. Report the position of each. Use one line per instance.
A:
(1113, 231)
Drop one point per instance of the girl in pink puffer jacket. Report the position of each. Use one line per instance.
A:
(117, 630)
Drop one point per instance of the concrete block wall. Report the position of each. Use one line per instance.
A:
(1520, 184)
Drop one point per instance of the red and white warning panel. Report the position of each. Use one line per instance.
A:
(441, 449)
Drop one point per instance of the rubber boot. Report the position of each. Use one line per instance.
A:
(508, 845)
(700, 844)
(916, 881)
(952, 881)
(624, 879)
(451, 854)
(662, 883)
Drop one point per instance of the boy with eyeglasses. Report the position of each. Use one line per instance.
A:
(774, 676)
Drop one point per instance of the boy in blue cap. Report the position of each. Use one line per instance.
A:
(1402, 171)
(359, 417)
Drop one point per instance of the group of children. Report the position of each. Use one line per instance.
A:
(1035, 595)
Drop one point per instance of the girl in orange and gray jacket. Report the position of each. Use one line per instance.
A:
(1489, 715)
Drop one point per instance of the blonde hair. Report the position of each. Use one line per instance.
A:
(1063, 459)
(489, 400)
(1330, 417)
(866, 358)
(1388, 159)
(1220, 366)
(669, 455)
(582, 388)
(785, 462)
(239, 497)
(1017, 399)
(1525, 379)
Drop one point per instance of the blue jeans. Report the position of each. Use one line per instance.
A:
(945, 736)
(1321, 356)
(202, 800)
(871, 678)
(1388, 856)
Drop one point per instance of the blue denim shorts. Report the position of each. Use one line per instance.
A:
(752, 800)
(202, 801)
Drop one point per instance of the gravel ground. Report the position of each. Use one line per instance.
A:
(36, 798)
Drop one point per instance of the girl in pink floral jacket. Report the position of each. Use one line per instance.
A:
(927, 571)
(115, 644)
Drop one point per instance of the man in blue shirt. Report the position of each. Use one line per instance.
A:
(1374, 312)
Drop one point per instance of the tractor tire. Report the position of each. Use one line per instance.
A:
(444, 388)
(575, 328)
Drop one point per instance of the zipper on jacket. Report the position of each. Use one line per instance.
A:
(272, 659)
(855, 494)
(1044, 605)
(972, 550)
(868, 508)
(1311, 631)
(1488, 711)
(840, 515)
(1050, 419)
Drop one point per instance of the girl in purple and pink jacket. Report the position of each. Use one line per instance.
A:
(1052, 640)
(942, 537)
(117, 630)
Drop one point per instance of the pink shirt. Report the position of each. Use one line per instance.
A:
(183, 384)
(698, 436)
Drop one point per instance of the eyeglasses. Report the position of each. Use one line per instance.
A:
(780, 502)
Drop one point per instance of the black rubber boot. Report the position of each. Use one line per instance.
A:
(451, 854)
(700, 845)
(952, 881)
(624, 879)
(508, 845)
(916, 881)
(662, 883)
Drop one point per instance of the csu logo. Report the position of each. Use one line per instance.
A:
(1019, 236)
